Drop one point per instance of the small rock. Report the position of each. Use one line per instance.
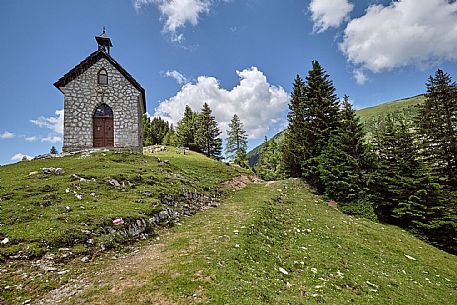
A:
(314, 270)
(52, 170)
(27, 301)
(47, 170)
(85, 259)
(5, 241)
(163, 215)
(63, 272)
(76, 177)
(371, 284)
(59, 171)
(410, 257)
(113, 182)
(283, 271)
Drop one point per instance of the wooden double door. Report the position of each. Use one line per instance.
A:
(103, 131)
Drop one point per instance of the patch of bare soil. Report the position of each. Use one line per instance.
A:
(138, 262)
(240, 182)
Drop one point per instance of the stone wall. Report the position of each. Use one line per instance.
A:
(84, 94)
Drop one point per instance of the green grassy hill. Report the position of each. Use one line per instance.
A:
(267, 243)
(41, 212)
(368, 116)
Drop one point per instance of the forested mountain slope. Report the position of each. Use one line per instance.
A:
(368, 117)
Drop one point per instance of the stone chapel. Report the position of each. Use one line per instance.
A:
(103, 103)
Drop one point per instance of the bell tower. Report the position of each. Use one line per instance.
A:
(104, 43)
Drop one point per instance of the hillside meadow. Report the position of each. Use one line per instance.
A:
(264, 243)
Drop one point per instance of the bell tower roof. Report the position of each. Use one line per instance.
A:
(104, 43)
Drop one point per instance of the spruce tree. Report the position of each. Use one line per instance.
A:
(236, 146)
(294, 141)
(207, 134)
(158, 130)
(399, 170)
(170, 137)
(345, 163)
(320, 108)
(146, 128)
(186, 130)
(154, 130)
(438, 127)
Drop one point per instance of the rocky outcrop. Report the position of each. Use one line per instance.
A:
(171, 209)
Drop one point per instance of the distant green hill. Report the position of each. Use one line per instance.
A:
(368, 116)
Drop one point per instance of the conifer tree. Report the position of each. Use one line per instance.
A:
(405, 193)
(54, 150)
(270, 161)
(236, 146)
(294, 141)
(146, 128)
(207, 134)
(345, 163)
(438, 127)
(154, 130)
(398, 170)
(186, 129)
(320, 119)
(170, 137)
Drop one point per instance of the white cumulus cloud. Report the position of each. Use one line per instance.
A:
(178, 77)
(19, 156)
(406, 32)
(52, 139)
(31, 139)
(329, 13)
(7, 135)
(178, 13)
(55, 123)
(258, 103)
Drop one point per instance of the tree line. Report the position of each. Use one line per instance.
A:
(406, 175)
(199, 132)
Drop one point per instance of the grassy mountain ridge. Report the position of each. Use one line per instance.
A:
(368, 117)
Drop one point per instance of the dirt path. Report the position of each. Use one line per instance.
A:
(125, 279)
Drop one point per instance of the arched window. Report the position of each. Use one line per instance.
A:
(102, 77)
(103, 111)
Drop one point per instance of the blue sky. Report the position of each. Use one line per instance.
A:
(240, 56)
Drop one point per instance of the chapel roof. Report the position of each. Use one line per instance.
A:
(91, 60)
